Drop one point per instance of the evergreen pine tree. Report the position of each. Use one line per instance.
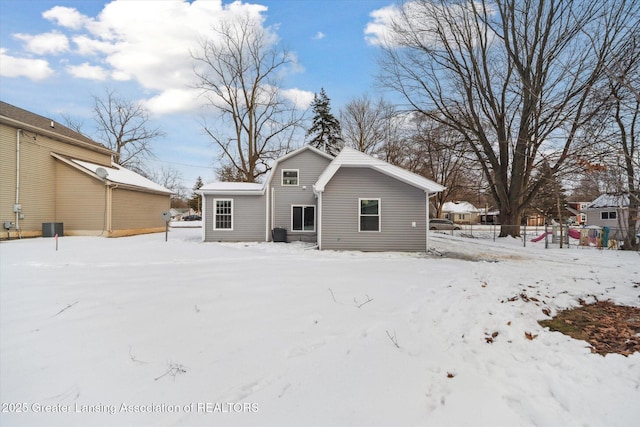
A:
(325, 131)
(550, 195)
(194, 201)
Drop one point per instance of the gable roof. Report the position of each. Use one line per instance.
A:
(349, 157)
(460, 207)
(609, 201)
(250, 188)
(115, 174)
(293, 154)
(23, 119)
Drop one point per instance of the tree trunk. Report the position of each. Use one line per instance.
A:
(631, 242)
(510, 224)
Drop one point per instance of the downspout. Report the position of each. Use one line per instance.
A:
(109, 207)
(273, 212)
(427, 222)
(319, 234)
(266, 216)
(15, 208)
(204, 216)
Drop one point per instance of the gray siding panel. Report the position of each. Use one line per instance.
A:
(248, 220)
(401, 205)
(310, 165)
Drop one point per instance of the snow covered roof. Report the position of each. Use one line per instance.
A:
(349, 157)
(120, 175)
(460, 207)
(232, 188)
(115, 174)
(609, 201)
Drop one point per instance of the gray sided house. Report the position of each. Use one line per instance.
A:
(611, 211)
(352, 201)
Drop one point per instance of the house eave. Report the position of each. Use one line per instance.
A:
(231, 192)
(53, 135)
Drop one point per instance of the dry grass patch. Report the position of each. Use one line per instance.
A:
(609, 328)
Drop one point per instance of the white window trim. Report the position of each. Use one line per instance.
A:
(609, 215)
(297, 171)
(215, 214)
(314, 218)
(379, 230)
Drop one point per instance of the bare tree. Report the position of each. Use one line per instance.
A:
(434, 151)
(512, 76)
(238, 71)
(124, 127)
(171, 178)
(620, 133)
(365, 123)
(73, 123)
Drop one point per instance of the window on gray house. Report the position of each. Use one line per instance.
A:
(608, 215)
(303, 218)
(369, 214)
(223, 214)
(290, 177)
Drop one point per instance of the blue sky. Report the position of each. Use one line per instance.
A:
(56, 54)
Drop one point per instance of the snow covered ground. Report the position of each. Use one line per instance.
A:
(137, 331)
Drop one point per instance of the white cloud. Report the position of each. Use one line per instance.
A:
(34, 69)
(120, 76)
(149, 42)
(46, 43)
(302, 99)
(319, 36)
(378, 32)
(174, 101)
(66, 17)
(87, 71)
(86, 45)
(424, 19)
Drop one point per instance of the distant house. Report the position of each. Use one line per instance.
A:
(54, 176)
(610, 211)
(489, 216)
(535, 219)
(578, 217)
(352, 201)
(461, 212)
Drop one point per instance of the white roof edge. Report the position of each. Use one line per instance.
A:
(232, 188)
(231, 192)
(350, 157)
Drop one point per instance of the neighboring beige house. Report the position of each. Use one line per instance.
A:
(54, 177)
(461, 212)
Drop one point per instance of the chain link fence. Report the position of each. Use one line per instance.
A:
(547, 235)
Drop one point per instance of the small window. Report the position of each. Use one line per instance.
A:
(223, 218)
(608, 215)
(289, 176)
(369, 214)
(303, 218)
